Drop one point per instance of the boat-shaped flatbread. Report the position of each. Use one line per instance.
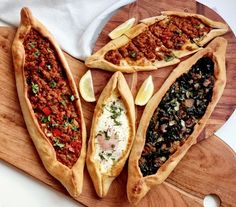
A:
(50, 102)
(157, 42)
(174, 117)
(112, 133)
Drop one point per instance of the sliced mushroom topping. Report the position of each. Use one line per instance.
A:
(179, 111)
(189, 103)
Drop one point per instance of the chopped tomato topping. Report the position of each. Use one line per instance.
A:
(47, 111)
(76, 145)
(56, 132)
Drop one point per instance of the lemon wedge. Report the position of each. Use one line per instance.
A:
(86, 87)
(145, 92)
(121, 29)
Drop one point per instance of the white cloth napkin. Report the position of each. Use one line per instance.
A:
(228, 131)
(74, 24)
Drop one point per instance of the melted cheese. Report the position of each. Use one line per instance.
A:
(111, 133)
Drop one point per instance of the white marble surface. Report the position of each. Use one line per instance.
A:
(19, 189)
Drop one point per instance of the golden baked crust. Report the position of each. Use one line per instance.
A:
(71, 178)
(102, 181)
(138, 185)
(97, 60)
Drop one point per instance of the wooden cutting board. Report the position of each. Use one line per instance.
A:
(208, 168)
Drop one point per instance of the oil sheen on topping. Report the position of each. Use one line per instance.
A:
(52, 99)
(157, 42)
(173, 121)
(111, 133)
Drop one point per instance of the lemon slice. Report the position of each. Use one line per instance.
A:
(86, 87)
(145, 92)
(122, 28)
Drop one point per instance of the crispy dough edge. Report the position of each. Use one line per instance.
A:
(72, 178)
(102, 182)
(97, 59)
(137, 185)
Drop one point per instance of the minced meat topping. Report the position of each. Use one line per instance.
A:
(51, 98)
(179, 111)
(159, 39)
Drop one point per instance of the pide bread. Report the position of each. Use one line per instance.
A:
(112, 133)
(174, 117)
(50, 102)
(157, 42)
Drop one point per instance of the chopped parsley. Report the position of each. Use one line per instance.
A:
(133, 54)
(56, 143)
(63, 102)
(52, 84)
(116, 112)
(35, 88)
(109, 154)
(37, 54)
(53, 125)
(72, 98)
(169, 57)
(45, 119)
(101, 156)
(66, 124)
(74, 128)
(32, 44)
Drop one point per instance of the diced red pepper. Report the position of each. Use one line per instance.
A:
(76, 145)
(47, 111)
(42, 64)
(56, 132)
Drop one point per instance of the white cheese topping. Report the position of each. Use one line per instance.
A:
(111, 133)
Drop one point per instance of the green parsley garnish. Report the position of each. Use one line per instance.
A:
(74, 128)
(36, 54)
(133, 54)
(170, 57)
(45, 119)
(63, 103)
(35, 88)
(117, 123)
(52, 125)
(101, 156)
(32, 44)
(109, 154)
(63, 96)
(116, 112)
(52, 84)
(56, 143)
(72, 98)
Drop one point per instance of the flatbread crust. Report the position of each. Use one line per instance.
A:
(137, 185)
(72, 178)
(102, 181)
(97, 60)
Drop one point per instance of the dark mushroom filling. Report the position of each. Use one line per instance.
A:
(179, 111)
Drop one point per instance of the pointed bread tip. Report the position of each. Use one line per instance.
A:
(26, 16)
